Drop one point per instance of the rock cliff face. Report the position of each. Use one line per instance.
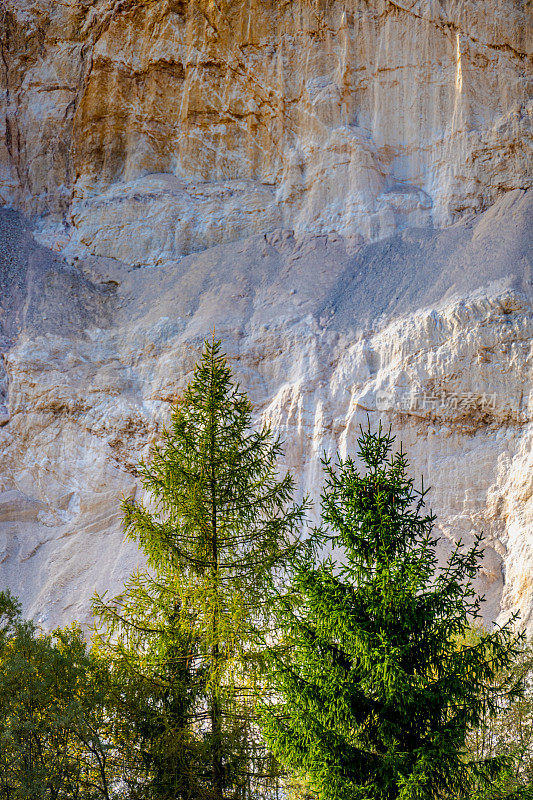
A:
(339, 185)
(160, 127)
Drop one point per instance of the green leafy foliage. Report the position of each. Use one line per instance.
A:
(52, 714)
(216, 530)
(508, 734)
(373, 696)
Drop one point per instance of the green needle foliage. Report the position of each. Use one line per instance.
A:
(374, 698)
(217, 531)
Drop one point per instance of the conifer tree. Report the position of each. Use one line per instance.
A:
(373, 696)
(216, 532)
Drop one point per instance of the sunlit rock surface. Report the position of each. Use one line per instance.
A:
(158, 128)
(340, 187)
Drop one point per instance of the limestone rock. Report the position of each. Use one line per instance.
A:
(340, 187)
(195, 123)
(428, 330)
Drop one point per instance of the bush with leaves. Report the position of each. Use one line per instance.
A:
(53, 698)
(508, 734)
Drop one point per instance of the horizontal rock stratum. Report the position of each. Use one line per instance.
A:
(339, 186)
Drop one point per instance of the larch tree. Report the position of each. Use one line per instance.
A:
(217, 531)
(373, 697)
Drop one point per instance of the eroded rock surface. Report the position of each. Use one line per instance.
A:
(340, 186)
(428, 330)
(148, 130)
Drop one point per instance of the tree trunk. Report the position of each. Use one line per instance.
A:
(217, 764)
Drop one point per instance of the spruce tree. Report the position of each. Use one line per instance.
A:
(373, 695)
(216, 532)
